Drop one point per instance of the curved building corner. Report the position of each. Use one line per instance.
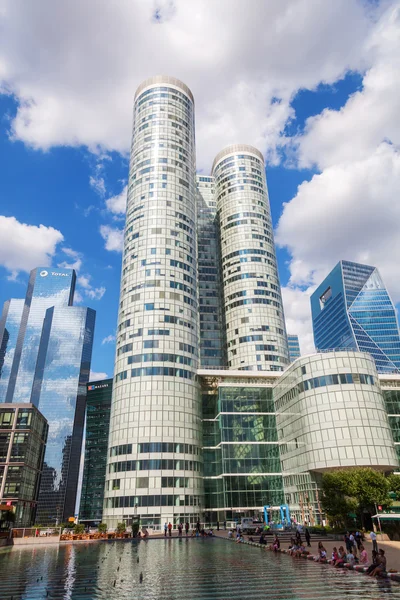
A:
(331, 414)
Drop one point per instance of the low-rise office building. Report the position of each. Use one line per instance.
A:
(23, 435)
(268, 438)
(331, 414)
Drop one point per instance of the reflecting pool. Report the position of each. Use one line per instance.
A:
(176, 569)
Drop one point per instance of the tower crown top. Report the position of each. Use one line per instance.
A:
(167, 80)
(235, 148)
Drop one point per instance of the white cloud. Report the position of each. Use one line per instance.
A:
(113, 237)
(24, 247)
(298, 316)
(76, 258)
(97, 376)
(117, 204)
(350, 210)
(94, 293)
(84, 281)
(370, 116)
(347, 212)
(98, 184)
(108, 340)
(243, 64)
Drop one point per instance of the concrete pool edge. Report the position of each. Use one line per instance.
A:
(393, 576)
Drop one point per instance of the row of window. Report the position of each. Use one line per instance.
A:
(155, 464)
(341, 378)
(159, 357)
(121, 449)
(160, 500)
(168, 447)
(161, 372)
(252, 301)
(324, 380)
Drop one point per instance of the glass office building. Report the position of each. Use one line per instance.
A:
(9, 328)
(154, 464)
(23, 434)
(50, 368)
(212, 328)
(254, 320)
(294, 346)
(98, 407)
(242, 468)
(352, 308)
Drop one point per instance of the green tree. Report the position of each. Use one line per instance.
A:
(79, 528)
(394, 486)
(349, 491)
(121, 527)
(102, 527)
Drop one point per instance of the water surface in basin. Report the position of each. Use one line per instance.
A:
(176, 569)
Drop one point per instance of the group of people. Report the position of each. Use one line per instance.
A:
(199, 531)
(297, 547)
(353, 553)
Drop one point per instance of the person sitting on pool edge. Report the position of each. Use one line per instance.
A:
(341, 558)
(380, 568)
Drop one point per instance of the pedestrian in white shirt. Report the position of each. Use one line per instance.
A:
(372, 535)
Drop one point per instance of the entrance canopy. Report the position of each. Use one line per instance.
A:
(387, 517)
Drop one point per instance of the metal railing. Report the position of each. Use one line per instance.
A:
(34, 532)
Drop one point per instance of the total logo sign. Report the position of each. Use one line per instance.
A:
(45, 273)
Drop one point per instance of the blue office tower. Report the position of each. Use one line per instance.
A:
(45, 355)
(352, 309)
(294, 346)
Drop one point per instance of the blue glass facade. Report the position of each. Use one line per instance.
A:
(46, 288)
(50, 368)
(9, 328)
(212, 329)
(352, 309)
(294, 346)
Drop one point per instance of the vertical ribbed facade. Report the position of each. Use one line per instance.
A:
(154, 465)
(255, 325)
(212, 331)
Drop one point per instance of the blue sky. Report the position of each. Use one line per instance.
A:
(326, 118)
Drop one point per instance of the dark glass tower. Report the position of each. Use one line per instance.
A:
(352, 309)
(98, 406)
(47, 363)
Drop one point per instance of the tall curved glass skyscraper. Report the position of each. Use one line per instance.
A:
(255, 326)
(154, 466)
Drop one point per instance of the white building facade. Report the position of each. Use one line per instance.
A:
(331, 414)
(154, 465)
(255, 325)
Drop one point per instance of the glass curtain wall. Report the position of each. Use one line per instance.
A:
(241, 455)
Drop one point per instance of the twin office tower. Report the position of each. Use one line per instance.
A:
(199, 287)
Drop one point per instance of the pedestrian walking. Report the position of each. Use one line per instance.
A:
(372, 535)
(169, 529)
(353, 544)
(180, 527)
(217, 525)
(165, 529)
(198, 526)
(225, 525)
(308, 536)
(187, 527)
